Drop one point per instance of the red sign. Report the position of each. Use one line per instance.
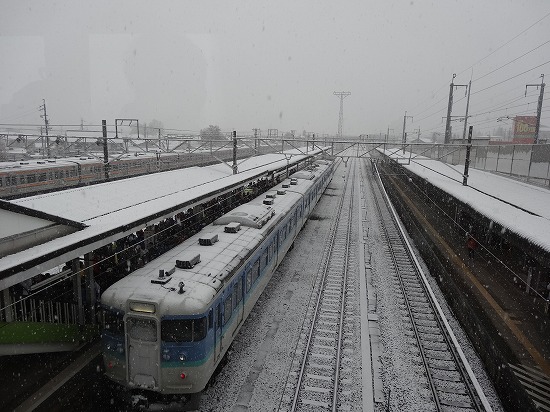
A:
(524, 129)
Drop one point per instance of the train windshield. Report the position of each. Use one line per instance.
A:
(183, 330)
(142, 329)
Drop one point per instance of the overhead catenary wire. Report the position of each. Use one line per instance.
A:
(506, 43)
(480, 60)
(511, 61)
(510, 78)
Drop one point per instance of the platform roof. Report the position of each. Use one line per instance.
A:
(111, 210)
(520, 207)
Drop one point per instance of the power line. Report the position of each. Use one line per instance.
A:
(480, 60)
(505, 44)
(513, 77)
(511, 61)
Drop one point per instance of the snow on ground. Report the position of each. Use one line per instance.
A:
(255, 376)
(262, 353)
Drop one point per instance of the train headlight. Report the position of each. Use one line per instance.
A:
(183, 357)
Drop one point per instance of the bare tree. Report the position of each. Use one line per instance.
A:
(212, 132)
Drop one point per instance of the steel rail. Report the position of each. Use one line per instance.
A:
(406, 265)
(329, 251)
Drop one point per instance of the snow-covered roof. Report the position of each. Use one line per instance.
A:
(247, 215)
(519, 207)
(109, 210)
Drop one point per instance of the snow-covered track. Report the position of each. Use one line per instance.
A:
(450, 381)
(318, 383)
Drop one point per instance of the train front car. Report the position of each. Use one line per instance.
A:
(169, 324)
(159, 329)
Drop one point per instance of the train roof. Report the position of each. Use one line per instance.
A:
(218, 258)
(200, 283)
(249, 215)
(38, 164)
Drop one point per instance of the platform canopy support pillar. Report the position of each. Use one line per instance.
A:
(77, 289)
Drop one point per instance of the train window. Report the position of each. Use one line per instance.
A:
(199, 329)
(219, 315)
(271, 250)
(255, 271)
(142, 329)
(239, 290)
(210, 318)
(228, 309)
(235, 296)
(8, 181)
(31, 178)
(21, 179)
(42, 177)
(248, 280)
(265, 259)
(73, 172)
(114, 322)
(183, 330)
(1, 181)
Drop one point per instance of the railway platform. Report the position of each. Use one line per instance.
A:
(54, 247)
(500, 290)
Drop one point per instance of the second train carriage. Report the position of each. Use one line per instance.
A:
(168, 325)
(28, 177)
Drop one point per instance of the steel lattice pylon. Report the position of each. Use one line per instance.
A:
(341, 119)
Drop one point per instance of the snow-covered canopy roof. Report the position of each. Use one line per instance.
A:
(115, 209)
(518, 206)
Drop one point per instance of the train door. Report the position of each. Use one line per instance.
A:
(238, 299)
(143, 351)
(218, 332)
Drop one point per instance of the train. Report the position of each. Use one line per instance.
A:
(167, 326)
(29, 177)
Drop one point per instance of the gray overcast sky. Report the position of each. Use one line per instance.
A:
(271, 64)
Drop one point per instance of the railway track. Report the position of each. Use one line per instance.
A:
(450, 383)
(320, 377)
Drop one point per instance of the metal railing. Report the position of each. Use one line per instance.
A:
(34, 310)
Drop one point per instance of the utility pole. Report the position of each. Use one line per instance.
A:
(235, 170)
(539, 106)
(418, 134)
(105, 150)
(466, 115)
(404, 139)
(467, 161)
(256, 131)
(46, 124)
(450, 109)
(388, 135)
(341, 119)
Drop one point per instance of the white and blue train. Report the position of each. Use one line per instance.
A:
(168, 325)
